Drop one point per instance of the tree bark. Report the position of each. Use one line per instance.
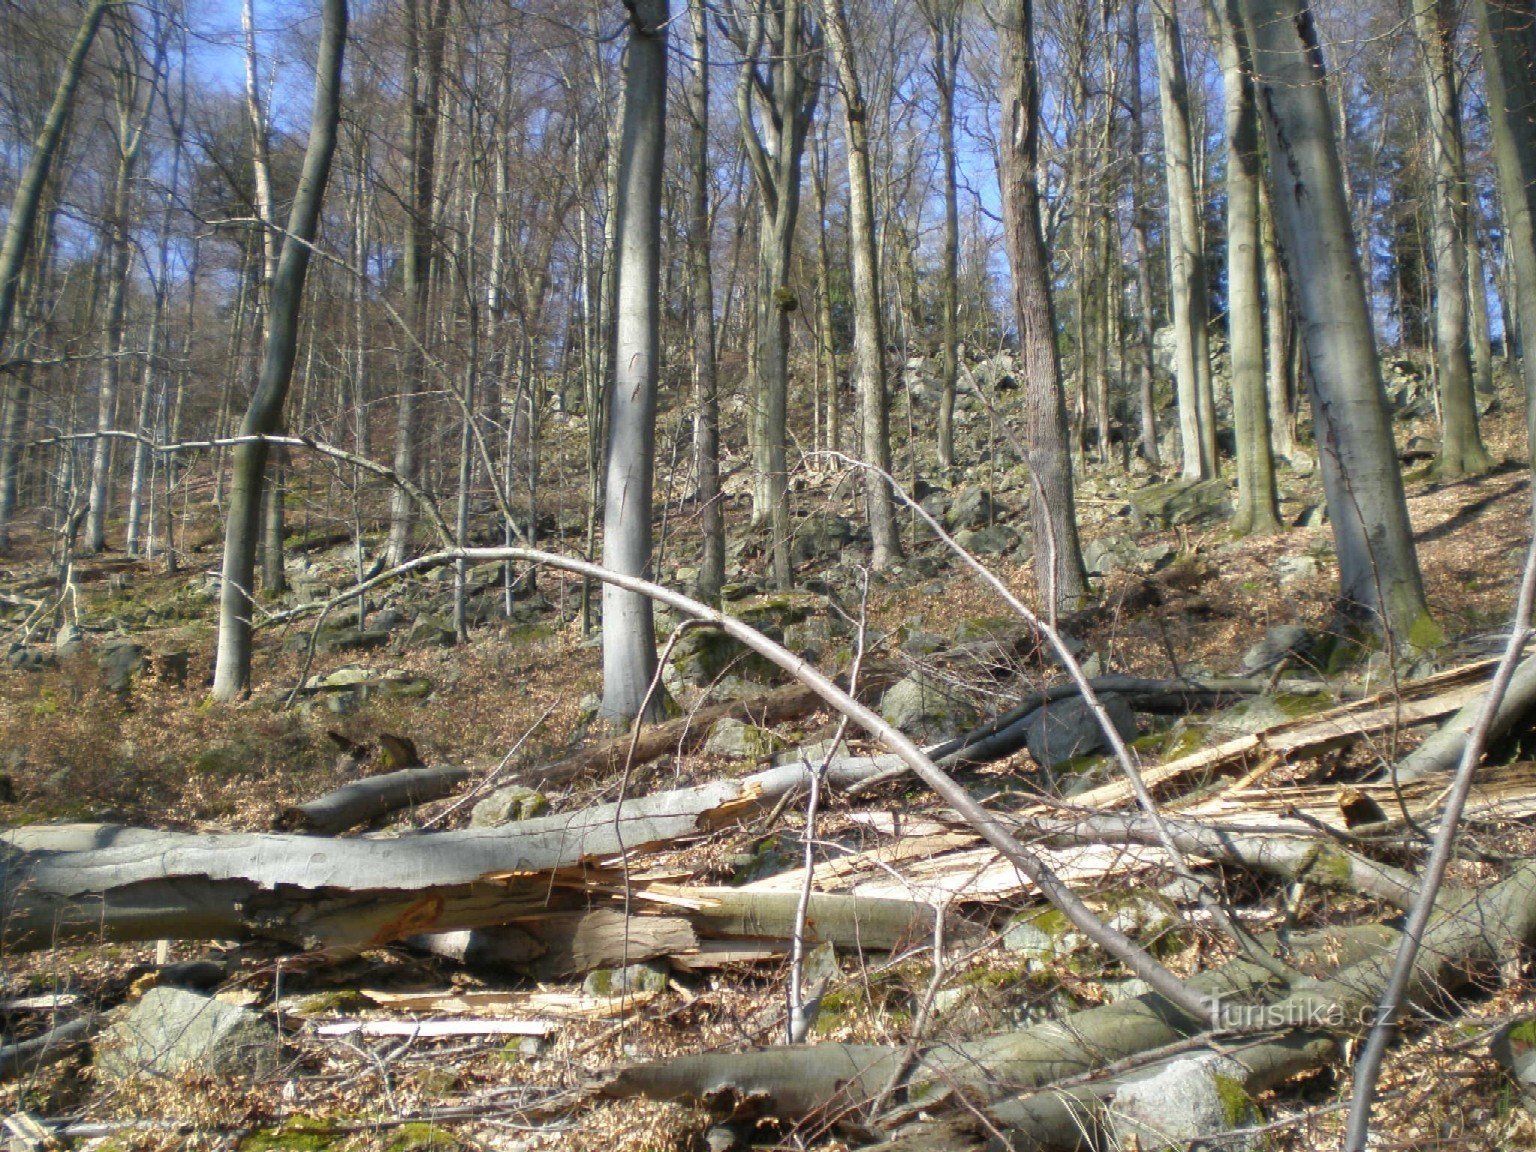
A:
(702, 289)
(1186, 253)
(1461, 445)
(29, 188)
(232, 665)
(629, 633)
(1258, 507)
(868, 328)
(1378, 567)
(1141, 228)
(1059, 574)
(424, 71)
(1508, 33)
(943, 17)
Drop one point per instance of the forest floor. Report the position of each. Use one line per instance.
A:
(158, 754)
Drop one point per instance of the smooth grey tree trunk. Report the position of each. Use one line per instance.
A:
(132, 118)
(868, 328)
(1477, 300)
(1186, 253)
(1258, 506)
(702, 289)
(424, 70)
(943, 18)
(29, 188)
(1461, 445)
(1277, 333)
(1059, 573)
(1378, 567)
(629, 634)
(1507, 29)
(1141, 228)
(232, 665)
(780, 75)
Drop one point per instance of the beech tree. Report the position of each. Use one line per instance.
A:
(232, 664)
(1461, 445)
(1059, 574)
(1378, 566)
(629, 634)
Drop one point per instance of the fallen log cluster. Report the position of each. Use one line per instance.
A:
(559, 895)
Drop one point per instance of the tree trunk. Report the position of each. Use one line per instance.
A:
(629, 635)
(424, 70)
(1378, 567)
(1508, 34)
(702, 290)
(232, 667)
(786, 94)
(1186, 253)
(943, 18)
(29, 188)
(1139, 224)
(868, 333)
(1258, 508)
(1461, 446)
(1277, 334)
(1059, 573)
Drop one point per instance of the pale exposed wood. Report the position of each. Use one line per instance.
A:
(437, 1029)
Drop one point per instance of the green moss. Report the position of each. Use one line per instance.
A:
(1236, 1104)
(1524, 1033)
(417, 1137)
(301, 1135)
(1424, 633)
(341, 1000)
(1294, 705)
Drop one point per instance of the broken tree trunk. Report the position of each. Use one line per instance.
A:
(1442, 751)
(1469, 933)
(100, 882)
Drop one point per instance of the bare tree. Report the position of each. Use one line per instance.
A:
(1378, 567)
(1258, 509)
(868, 329)
(629, 635)
(1186, 252)
(1461, 445)
(775, 100)
(1059, 572)
(1507, 29)
(232, 667)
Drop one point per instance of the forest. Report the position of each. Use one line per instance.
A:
(681, 574)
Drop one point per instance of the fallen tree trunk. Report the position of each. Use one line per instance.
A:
(366, 800)
(95, 882)
(1470, 932)
(1442, 751)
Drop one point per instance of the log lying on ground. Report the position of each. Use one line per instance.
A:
(796, 1082)
(1442, 751)
(100, 882)
(1469, 933)
(58, 1043)
(366, 800)
(1008, 733)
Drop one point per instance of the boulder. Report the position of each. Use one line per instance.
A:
(172, 1031)
(1279, 643)
(927, 709)
(1294, 569)
(703, 655)
(1059, 732)
(995, 540)
(819, 535)
(736, 740)
(972, 507)
(431, 632)
(1181, 502)
(507, 806)
(1189, 1099)
(68, 640)
(120, 660)
(611, 982)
